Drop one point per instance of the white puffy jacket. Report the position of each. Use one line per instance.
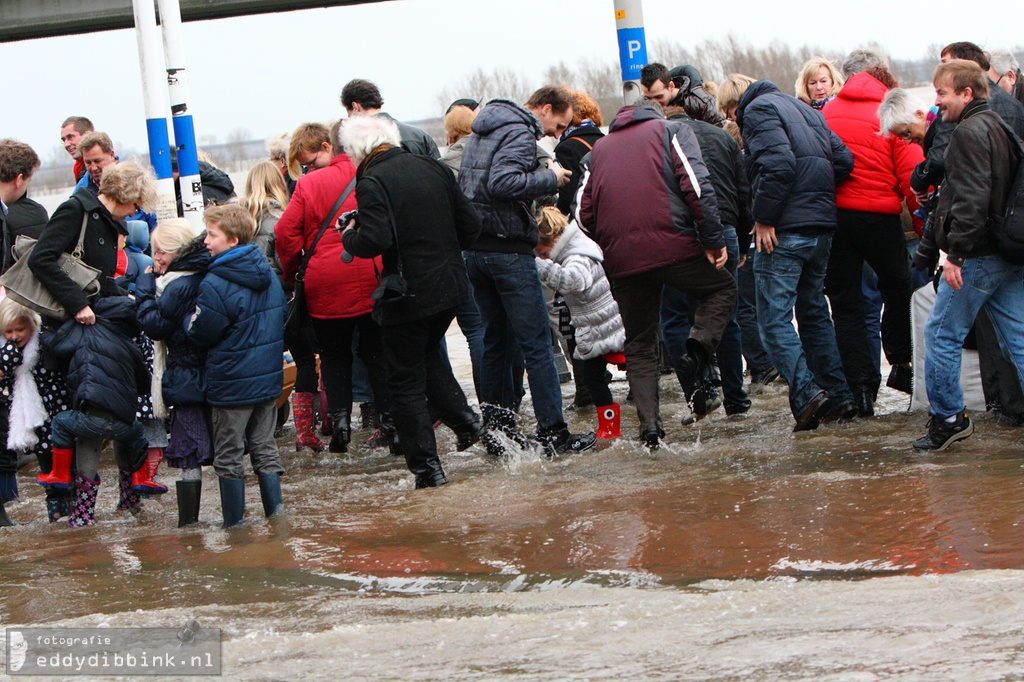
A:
(575, 271)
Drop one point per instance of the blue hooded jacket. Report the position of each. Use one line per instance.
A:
(794, 161)
(500, 176)
(239, 318)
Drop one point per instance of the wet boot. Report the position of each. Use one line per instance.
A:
(469, 431)
(368, 416)
(305, 433)
(342, 431)
(499, 420)
(608, 421)
(60, 472)
(8, 487)
(153, 458)
(84, 512)
(142, 480)
(5, 520)
(693, 378)
(189, 493)
(232, 500)
(270, 493)
(129, 500)
(58, 503)
(430, 474)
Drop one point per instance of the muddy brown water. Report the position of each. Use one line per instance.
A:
(738, 551)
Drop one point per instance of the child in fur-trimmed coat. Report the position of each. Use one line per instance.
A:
(569, 262)
(33, 394)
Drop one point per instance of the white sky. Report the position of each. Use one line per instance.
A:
(271, 72)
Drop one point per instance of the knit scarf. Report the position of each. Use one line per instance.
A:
(160, 352)
(27, 411)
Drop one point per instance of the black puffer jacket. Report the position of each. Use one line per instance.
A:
(106, 369)
(434, 222)
(499, 175)
(794, 161)
(61, 235)
(163, 319)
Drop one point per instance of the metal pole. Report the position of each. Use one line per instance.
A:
(155, 99)
(184, 129)
(629, 25)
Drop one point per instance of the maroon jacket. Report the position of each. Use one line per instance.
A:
(648, 200)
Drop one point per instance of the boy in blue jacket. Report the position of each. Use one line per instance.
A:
(239, 320)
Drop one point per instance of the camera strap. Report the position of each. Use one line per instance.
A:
(301, 273)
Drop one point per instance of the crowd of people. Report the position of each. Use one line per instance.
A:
(689, 234)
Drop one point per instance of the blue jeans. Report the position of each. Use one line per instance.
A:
(792, 278)
(71, 425)
(676, 309)
(988, 279)
(511, 301)
(746, 315)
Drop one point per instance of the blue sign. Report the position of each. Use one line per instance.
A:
(632, 52)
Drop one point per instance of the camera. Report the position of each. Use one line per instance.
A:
(347, 216)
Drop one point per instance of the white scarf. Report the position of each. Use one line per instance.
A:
(160, 352)
(27, 411)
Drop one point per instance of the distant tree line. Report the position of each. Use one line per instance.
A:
(776, 62)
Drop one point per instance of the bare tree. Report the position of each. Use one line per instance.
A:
(481, 86)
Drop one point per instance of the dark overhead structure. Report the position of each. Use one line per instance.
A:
(28, 19)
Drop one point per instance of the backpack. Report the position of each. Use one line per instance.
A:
(1008, 228)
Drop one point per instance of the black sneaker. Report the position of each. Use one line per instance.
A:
(563, 442)
(764, 377)
(901, 379)
(941, 434)
(710, 405)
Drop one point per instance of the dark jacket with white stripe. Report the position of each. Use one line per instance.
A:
(648, 200)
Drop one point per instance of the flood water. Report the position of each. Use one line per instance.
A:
(738, 551)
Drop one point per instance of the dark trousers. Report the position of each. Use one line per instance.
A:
(754, 353)
(878, 239)
(639, 298)
(418, 371)
(998, 374)
(302, 346)
(334, 338)
(593, 375)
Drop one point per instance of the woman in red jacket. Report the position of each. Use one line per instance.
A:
(337, 293)
(870, 203)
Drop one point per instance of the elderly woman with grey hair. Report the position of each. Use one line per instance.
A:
(413, 214)
(1004, 70)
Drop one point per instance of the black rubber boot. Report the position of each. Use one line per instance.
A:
(270, 493)
(232, 500)
(429, 474)
(5, 520)
(468, 431)
(189, 495)
(342, 431)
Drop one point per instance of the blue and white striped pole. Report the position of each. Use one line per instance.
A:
(151, 64)
(184, 129)
(629, 25)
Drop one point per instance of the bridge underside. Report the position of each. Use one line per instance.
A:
(28, 19)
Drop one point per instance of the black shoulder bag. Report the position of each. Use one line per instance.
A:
(298, 316)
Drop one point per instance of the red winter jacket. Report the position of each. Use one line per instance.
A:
(881, 165)
(334, 290)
